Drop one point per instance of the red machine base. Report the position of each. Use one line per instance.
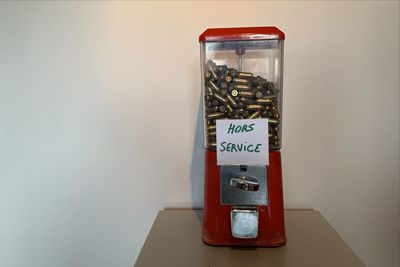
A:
(216, 218)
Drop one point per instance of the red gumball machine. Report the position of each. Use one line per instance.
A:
(242, 88)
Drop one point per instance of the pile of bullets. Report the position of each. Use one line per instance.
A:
(231, 94)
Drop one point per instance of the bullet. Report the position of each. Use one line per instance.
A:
(255, 115)
(214, 86)
(255, 107)
(215, 115)
(240, 81)
(259, 94)
(211, 127)
(228, 78)
(245, 74)
(245, 93)
(212, 109)
(241, 87)
(209, 91)
(229, 108)
(212, 145)
(234, 92)
(210, 66)
(220, 98)
(264, 100)
(232, 101)
(212, 133)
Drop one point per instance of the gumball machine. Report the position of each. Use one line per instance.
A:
(242, 72)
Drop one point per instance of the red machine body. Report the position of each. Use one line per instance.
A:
(216, 220)
(242, 75)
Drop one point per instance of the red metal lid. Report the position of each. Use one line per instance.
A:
(241, 34)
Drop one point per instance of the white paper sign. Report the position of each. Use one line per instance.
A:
(243, 142)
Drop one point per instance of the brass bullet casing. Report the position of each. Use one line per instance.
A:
(215, 115)
(208, 104)
(220, 98)
(229, 108)
(212, 133)
(207, 75)
(232, 101)
(228, 78)
(264, 100)
(212, 109)
(245, 74)
(270, 135)
(234, 92)
(258, 94)
(213, 74)
(211, 127)
(209, 91)
(242, 87)
(215, 103)
(272, 121)
(255, 107)
(245, 114)
(212, 145)
(214, 86)
(245, 93)
(224, 92)
(210, 67)
(240, 81)
(255, 115)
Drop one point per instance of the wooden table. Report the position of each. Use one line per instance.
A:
(175, 240)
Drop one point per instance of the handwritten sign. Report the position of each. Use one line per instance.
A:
(242, 142)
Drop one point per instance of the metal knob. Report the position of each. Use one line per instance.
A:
(245, 183)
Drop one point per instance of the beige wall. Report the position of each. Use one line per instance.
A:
(100, 124)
